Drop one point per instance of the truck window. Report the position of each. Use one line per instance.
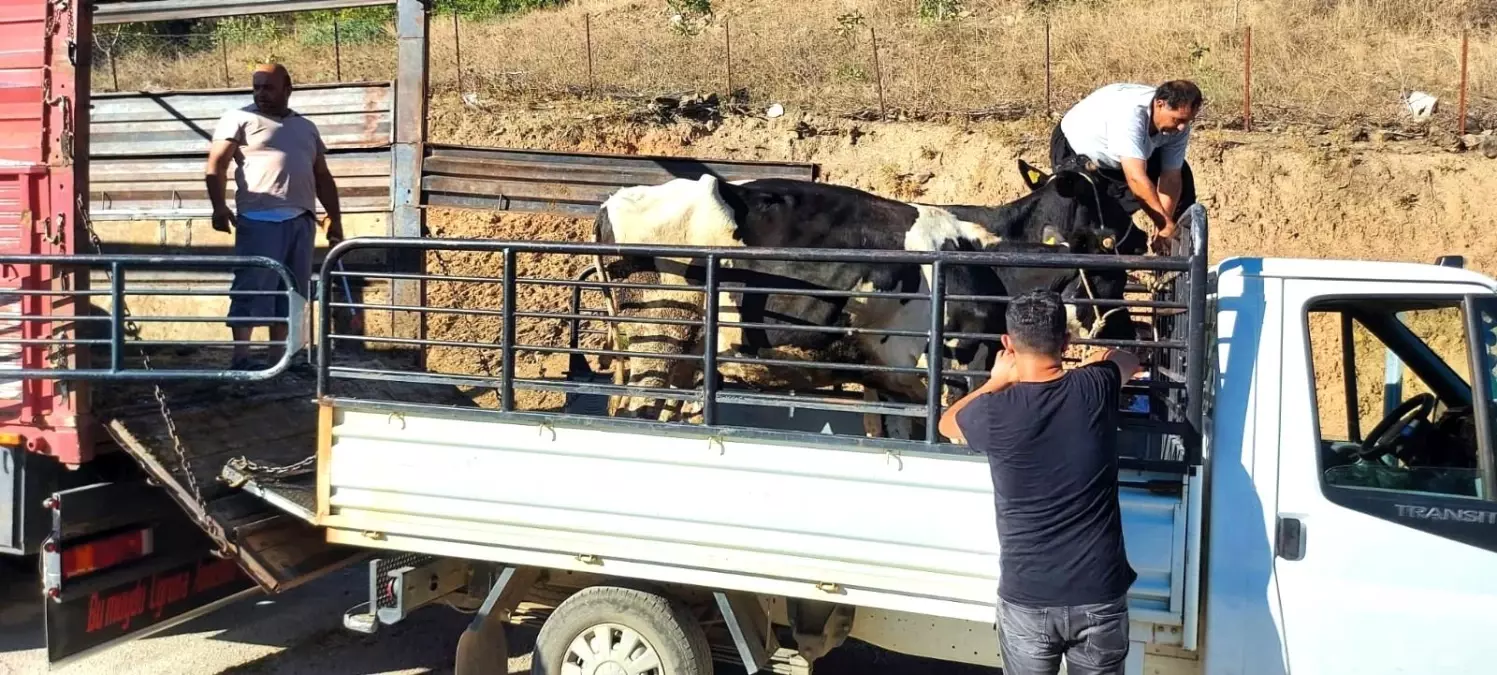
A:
(1392, 397)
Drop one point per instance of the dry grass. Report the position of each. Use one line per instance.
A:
(1324, 61)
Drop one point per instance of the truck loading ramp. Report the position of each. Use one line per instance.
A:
(264, 520)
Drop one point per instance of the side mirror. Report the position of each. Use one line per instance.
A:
(1457, 261)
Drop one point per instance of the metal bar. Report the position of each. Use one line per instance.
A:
(608, 319)
(1481, 404)
(413, 308)
(117, 318)
(337, 48)
(1080, 302)
(934, 362)
(507, 338)
(118, 11)
(818, 293)
(600, 285)
(257, 320)
(855, 367)
(911, 410)
(43, 342)
(992, 258)
(412, 87)
(59, 318)
(1349, 379)
(1195, 358)
(826, 329)
(428, 342)
(709, 346)
(541, 349)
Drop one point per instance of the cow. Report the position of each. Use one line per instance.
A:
(1061, 213)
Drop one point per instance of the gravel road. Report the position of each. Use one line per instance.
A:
(300, 633)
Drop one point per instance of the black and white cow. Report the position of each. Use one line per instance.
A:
(1060, 214)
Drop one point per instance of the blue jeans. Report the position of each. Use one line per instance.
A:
(1093, 638)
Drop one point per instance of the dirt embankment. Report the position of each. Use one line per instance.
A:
(1324, 195)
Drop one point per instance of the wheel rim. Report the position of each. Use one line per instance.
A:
(611, 649)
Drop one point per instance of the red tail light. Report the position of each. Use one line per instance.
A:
(106, 552)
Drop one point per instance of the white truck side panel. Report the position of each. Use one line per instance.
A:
(1241, 615)
(908, 533)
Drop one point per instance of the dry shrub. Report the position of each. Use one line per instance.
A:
(1325, 61)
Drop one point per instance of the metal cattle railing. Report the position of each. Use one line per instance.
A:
(1175, 311)
(65, 335)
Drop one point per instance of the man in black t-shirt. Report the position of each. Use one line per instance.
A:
(1050, 439)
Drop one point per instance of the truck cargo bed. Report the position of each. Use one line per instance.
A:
(271, 423)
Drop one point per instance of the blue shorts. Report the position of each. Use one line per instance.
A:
(288, 242)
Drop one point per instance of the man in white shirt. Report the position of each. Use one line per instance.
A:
(282, 170)
(1137, 134)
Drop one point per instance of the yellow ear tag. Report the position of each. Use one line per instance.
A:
(1050, 241)
(1034, 176)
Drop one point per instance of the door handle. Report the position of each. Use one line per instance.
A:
(1289, 538)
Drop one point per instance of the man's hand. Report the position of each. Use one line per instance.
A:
(1004, 372)
(1160, 240)
(223, 220)
(334, 231)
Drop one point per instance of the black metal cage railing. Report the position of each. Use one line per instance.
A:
(58, 325)
(1173, 307)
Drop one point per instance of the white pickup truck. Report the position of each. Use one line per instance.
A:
(1308, 488)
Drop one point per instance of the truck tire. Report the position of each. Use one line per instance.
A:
(589, 631)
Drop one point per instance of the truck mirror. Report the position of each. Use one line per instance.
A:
(1451, 261)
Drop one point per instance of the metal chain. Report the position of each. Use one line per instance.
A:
(166, 414)
(245, 465)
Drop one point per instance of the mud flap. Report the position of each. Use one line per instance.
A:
(123, 562)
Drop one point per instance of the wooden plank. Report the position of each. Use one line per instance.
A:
(324, 459)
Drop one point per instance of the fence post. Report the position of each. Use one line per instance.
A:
(1247, 80)
(587, 19)
(223, 47)
(337, 48)
(878, 75)
(1465, 50)
(728, 39)
(457, 46)
(1049, 107)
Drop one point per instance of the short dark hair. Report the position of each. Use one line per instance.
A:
(1178, 94)
(1037, 322)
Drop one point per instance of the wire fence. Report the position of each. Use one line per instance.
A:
(859, 67)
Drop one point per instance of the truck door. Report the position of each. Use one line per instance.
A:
(1385, 546)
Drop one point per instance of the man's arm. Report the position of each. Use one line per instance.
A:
(1127, 362)
(327, 193)
(216, 177)
(1137, 172)
(1002, 377)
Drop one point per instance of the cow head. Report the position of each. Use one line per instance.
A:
(1075, 210)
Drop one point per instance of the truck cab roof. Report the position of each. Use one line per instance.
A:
(1350, 270)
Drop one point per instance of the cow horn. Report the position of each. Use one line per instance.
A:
(1090, 166)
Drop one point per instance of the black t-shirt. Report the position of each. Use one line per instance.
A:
(1052, 450)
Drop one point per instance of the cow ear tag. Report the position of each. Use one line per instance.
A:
(1034, 176)
(1050, 241)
